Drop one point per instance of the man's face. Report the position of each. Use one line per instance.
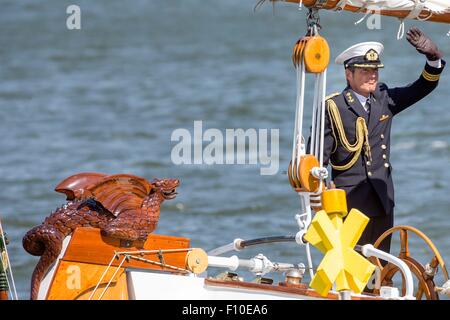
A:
(362, 80)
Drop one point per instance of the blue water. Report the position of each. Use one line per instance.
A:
(107, 98)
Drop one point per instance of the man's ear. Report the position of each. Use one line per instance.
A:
(348, 75)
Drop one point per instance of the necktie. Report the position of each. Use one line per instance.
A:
(367, 106)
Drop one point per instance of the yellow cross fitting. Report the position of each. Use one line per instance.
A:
(336, 239)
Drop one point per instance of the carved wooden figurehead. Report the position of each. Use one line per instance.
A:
(122, 206)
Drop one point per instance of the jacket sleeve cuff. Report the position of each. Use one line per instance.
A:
(431, 73)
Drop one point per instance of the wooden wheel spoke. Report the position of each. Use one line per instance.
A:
(404, 249)
(403, 284)
(425, 285)
(419, 293)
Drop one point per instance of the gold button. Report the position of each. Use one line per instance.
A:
(383, 146)
(384, 157)
(368, 163)
(386, 165)
(382, 136)
(369, 174)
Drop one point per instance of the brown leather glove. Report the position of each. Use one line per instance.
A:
(423, 44)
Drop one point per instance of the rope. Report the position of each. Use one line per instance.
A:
(322, 127)
(128, 255)
(112, 277)
(314, 132)
(363, 18)
(322, 108)
(413, 14)
(103, 275)
(310, 263)
(318, 113)
(297, 149)
(340, 5)
(361, 9)
(362, 137)
(9, 269)
(158, 264)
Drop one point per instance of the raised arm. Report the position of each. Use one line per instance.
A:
(404, 97)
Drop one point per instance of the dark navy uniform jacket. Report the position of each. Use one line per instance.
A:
(376, 174)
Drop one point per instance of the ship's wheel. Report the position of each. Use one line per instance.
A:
(424, 274)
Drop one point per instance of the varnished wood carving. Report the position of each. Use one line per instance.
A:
(123, 206)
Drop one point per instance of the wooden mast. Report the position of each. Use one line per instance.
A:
(331, 4)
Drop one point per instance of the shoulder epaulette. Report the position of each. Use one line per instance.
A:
(332, 95)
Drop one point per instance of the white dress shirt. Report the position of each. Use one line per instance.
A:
(435, 64)
(361, 99)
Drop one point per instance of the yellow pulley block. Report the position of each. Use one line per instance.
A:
(316, 54)
(302, 179)
(197, 260)
(307, 180)
(336, 239)
(297, 52)
(294, 184)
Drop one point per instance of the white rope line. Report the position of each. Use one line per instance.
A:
(361, 9)
(300, 114)
(128, 254)
(430, 14)
(294, 140)
(9, 269)
(401, 30)
(112, 277)
(363, 18)
(322, 127)
(340, 5)
(158, 263)
(101, 278)
(310, 264)
(317, 111)
(313, 123)
(6, 265)
(413, 14)
(322, 115)
(297, 149)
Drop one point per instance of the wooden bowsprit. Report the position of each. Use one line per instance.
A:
(432, 10)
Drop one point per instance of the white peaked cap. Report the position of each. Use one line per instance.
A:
(359, 49)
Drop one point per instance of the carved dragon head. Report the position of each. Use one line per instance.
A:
(166, 187)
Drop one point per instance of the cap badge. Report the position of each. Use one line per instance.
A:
(371, 55)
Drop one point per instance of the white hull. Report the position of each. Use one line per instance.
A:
(143, 285)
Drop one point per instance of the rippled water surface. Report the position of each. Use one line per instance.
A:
(107, 98)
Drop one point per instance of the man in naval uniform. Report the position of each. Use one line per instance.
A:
(358, 126)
